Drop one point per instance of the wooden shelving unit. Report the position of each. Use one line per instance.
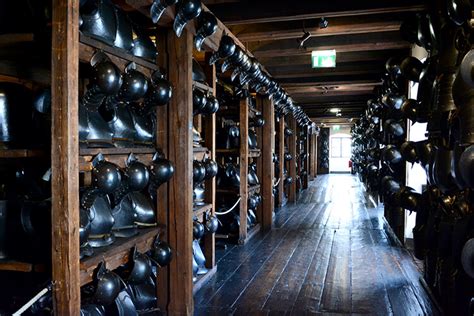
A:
(18, 266)
(22, 153)
(206, 125)
(70, 163)
(118, 253)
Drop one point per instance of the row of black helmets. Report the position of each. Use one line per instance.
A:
(444, 218)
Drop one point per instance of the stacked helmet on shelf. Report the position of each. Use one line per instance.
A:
(443, 232)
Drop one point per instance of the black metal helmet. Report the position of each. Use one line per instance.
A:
(107, 285)
(199, 172)
(161, 170)
(135, 85)
(226, 49)
(106, 176)
(186, 10)
(211, 168)
(158, 7)
(136, 174)
(161, 253)
(140, 268)
(198, 229)
(160, 90)
(199, 101)
(212, 223)
(206, 26)
(106, 76)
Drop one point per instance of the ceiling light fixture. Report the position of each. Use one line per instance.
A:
(334, 110)
(306, 36)
(323, 23)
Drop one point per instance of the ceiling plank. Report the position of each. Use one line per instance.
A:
(342, 44)
(245, 12)
(345, 26)
(343, 57)
(340, 70)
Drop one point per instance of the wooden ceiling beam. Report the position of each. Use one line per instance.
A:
(342, 57)
(265, 11)
(341, 43)
(340, 70)
(337, 26)
(335, 79)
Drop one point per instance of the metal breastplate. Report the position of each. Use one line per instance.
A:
(84, 232)
(124, 35)
(144, 210)
(101, 217)
(100, 23)
(100, 134)
(125, 217)
(92, 310)
(144, 47)
(200, 258)
(144, 127)
(122, 126)
(252, 140)
(442, 170)
(83, 125)
(198, 195)
(123, 306)
(144, 295)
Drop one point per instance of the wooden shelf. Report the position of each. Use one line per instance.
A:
(21, 153)
(202, 209)
(18, 266)
(89, 46)
(253, 153)
(118, 253)
(116, 151)
(200, 152)
(203, 87)
(252, 189)
(203, 279)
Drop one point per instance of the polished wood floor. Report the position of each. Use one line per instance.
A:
(328, 254)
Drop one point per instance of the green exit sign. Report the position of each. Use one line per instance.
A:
(323, 58)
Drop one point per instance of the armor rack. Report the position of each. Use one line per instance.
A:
(206, 126)
(71, 165)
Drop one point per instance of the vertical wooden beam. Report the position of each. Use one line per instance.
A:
(259, 161)
(244, 156)
(268, 170)
(292, 151)
(315, 158)
(307, 159)
(281, 159)
(65, 157)
(210, 143)
(162, 207)
(181, 185)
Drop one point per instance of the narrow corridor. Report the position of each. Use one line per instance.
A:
(327, 254)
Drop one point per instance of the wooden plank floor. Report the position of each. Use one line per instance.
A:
(327, 255)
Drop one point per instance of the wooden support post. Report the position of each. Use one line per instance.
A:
(180, 186)
(281, 159)
(210, 143)
(315, 158)
(244, 154)
(310, 157)
(307, 160)
(268, 168)
(162, 207)
(65, 157)
(292, 150)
